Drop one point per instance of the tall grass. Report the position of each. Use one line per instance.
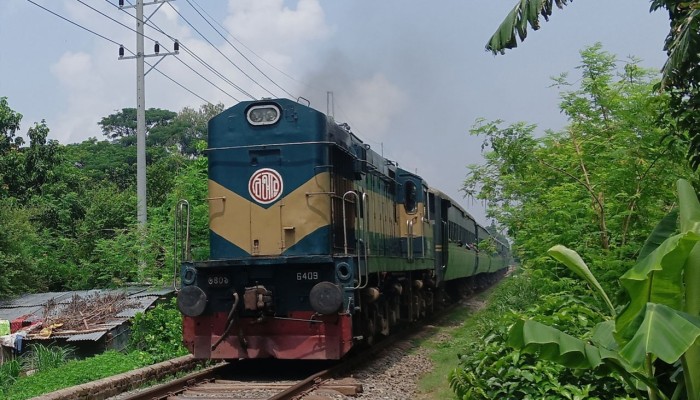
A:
(42, 358)
(9, 372)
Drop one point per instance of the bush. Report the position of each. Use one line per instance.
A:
(159, 332)
(489, 369)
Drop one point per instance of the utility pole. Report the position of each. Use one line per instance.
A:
(141, 100)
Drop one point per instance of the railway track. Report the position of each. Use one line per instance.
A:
(226, 381)
(218, 383)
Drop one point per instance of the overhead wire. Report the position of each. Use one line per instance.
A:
(306, 84)
(253, 52)
(221, 52)
(191, 53)
(74, 23)
(118, 44)
(239, 52)
(165, 47)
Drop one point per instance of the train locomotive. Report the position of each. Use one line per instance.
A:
(317, 242)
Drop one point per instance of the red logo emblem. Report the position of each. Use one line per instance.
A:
(265, 185)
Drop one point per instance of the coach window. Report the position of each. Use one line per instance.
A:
(410, 197)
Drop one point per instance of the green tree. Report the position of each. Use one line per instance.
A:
(122, 124)
(599, 184)
(9, 144)
(681, 74)
(41, 158)
(185, 130)
(18, 241)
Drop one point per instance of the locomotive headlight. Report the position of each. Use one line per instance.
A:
(263, 115)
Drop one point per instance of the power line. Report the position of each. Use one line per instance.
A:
(114, 20)
(253, 52)
(239, 52)
(179, 84)
(178, 58)
(74, 23)
(118, 44)
(220, 52)
(195, 56)
(306, 84)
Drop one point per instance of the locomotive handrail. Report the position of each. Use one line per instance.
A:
(366, 239)
(182, 214)
(357, 212)
(422, 236)
(358, 240)
(409, 239)
(252, 146)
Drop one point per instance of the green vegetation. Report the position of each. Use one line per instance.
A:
(67, 212)
(660, 323)
(76, 372)
(159, 332)
(599, 187)
(490, 369)
(43, 358)
(681, 76)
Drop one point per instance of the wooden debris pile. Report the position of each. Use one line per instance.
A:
(86, 314)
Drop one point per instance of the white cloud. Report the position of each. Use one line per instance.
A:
(374, 102)
(280, 34)
(87, 96)
(273, 27)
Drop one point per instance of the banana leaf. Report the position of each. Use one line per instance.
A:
(525, 12)
(664, 332)
(575, 263)
(553, 345)
(663, 230)
(658, 278)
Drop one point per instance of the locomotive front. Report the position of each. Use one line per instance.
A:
(272, 286)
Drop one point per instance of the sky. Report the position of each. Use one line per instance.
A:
(409, 76)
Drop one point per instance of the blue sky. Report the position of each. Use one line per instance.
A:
(409, 76)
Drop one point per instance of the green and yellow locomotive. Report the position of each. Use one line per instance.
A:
(316, 241)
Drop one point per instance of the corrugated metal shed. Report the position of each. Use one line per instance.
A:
(35, 305)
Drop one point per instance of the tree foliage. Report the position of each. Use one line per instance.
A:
(599, 184)
(681, 74)
(122, 124)
(67, 212)
(660, 323)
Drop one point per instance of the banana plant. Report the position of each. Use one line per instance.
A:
(661, 320)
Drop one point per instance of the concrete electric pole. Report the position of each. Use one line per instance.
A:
(141, 100)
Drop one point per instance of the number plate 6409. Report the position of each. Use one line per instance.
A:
(307, 276)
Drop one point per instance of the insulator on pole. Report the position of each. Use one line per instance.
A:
(156, 48)
(121, 51)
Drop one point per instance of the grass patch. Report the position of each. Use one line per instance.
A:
(443, 346)
(466, 326)
(76, 372)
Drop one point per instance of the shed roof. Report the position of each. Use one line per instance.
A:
(35, 305)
